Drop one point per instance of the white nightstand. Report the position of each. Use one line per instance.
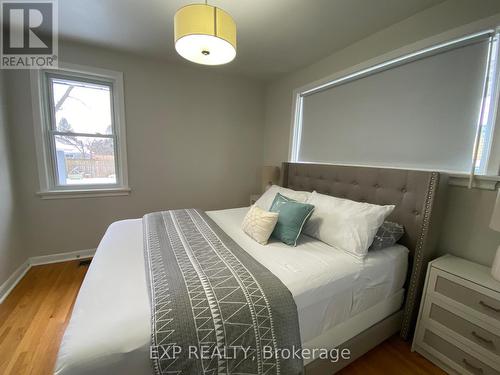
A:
(254, 198)
(458, 326)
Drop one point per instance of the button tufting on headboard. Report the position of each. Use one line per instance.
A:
(372, 185)
(412, 192)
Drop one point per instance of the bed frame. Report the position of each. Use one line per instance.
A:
(416, 195)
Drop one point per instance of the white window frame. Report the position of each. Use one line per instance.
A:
(492, 159)
(491, 175)
(49, 187)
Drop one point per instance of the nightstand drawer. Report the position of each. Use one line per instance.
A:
(468, 297)
(462, 361)
(472, 332)
(459, 321)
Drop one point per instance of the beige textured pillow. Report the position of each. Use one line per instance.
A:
(259, 224)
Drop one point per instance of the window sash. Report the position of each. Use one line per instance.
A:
(485, 164)
(73, 134)
(52, 132)
(76, 78)
(56, 184)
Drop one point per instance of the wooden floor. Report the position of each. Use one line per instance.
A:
(393, 357)
(34, 316)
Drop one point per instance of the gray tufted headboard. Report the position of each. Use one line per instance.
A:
(415, 194)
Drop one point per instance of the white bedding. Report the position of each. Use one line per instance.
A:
(109, 331)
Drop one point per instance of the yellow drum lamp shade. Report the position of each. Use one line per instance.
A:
(205, 34)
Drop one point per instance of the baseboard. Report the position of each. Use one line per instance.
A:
(12, 281)
(18, 274)
(62, 257)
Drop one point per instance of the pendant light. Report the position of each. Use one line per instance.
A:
(205, 34)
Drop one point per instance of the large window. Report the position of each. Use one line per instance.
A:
(81, 131)
(432, 109)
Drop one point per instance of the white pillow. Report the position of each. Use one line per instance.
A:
(259, 224)
(266, 200)
(345, 224)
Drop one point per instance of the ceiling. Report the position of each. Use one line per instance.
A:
(274, 36)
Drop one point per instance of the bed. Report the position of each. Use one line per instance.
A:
(340, 302)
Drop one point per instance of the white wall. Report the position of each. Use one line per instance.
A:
(12, 253)
(465, 230)
(194, 140)
(436, 20)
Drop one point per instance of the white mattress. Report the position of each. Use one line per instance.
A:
(109, 331)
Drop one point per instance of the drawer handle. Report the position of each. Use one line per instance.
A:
(477, 370)
(481, 338)
(484, 304)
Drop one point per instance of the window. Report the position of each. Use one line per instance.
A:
(487, 124)
(81, 131)
(432, 109)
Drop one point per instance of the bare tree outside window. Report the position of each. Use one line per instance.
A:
(83, 134)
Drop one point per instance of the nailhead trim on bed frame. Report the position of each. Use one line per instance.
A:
(364, 184)
(410, 312)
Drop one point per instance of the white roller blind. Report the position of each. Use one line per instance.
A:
(422, 114)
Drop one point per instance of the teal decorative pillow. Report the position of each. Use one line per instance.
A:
(292, 217)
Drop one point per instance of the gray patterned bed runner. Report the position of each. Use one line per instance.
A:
(215, 309)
